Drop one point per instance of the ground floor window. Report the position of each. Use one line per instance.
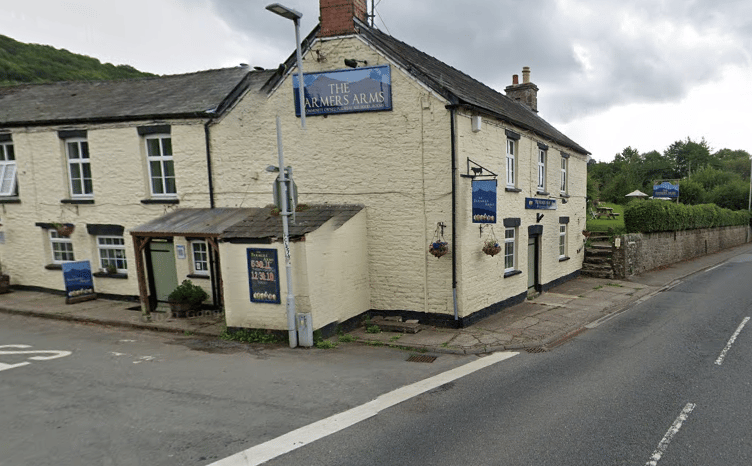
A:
(200, 254)
(112, 253)
(62, 248)
(509, 247)
(562, 241)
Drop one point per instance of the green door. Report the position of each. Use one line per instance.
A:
(163, 268)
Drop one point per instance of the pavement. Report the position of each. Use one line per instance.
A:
(537, 324)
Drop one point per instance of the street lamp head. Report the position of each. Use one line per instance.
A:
(284, 12)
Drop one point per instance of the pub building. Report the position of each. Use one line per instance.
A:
(420, 191)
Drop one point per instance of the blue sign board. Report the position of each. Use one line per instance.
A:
(365, 89)
(666, 189)
(79, 284)
(540, 204)
(263, 275)
(484, 201)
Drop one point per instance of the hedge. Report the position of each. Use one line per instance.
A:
(646, 216)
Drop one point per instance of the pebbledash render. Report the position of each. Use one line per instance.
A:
(381, 172)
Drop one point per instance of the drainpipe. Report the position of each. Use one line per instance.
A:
(452, 111)
(209, 164)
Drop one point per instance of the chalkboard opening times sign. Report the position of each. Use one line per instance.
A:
(263, 275)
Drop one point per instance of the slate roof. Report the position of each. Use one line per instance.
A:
(192, 95)
(459, 88)
(261, 224)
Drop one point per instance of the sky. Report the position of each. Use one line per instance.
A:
(611, 74)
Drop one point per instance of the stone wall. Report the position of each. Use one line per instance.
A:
(638, 252)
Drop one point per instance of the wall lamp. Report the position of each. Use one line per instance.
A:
(353, 63)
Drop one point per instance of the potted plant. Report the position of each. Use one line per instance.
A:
(185, 298)
(64, 229)
(4, 281)
(438, 248)
(491, 247)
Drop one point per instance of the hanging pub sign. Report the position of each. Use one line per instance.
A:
(666, 189)
(365, 89)
(484, 201)
(540, 204)
(263, 275)
(79, 284)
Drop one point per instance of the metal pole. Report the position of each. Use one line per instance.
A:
(749, 206)
(301, 83)
(290, 300)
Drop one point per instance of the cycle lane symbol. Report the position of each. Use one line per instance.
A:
(40, 355)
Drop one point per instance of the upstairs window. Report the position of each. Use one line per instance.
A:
(541, 170)
(511, 146)
(564, 175)
(161, 167)
(7, 169)
(79, 167)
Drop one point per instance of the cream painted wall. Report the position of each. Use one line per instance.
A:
(120, 182)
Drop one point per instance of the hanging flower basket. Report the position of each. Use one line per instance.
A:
(64, 229)
(438, 248)
(491, 248)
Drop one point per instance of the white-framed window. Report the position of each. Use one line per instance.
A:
(200, 255)
(79, 167)
(511, 150)
(563, 187)
(562, 241)
(541, 170)
(161, 167)
(112, 253)
(62, 248)
(7, 169)
(509, 249)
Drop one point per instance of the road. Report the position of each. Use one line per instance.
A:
(126, 397)
(665, 382)
(642, 388)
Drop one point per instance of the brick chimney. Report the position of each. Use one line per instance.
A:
(525, 93)
(337, 16)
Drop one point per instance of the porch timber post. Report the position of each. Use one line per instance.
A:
(139, 245)
(217, 272)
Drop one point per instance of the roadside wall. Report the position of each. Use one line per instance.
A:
(640, 252)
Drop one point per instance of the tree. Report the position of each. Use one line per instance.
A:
(689, 156)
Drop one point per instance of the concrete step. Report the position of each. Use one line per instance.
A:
(597, 274)
(599, 260)
(395, 324)
(596, 267)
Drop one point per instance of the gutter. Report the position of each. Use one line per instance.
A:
(452, 111)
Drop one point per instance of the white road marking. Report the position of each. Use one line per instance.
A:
(51, 354)
(297, 438)
(719, 361)
(714, 267)
(663, 444)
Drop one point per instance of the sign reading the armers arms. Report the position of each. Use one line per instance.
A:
(366, 89)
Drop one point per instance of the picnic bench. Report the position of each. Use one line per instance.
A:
(607, 212)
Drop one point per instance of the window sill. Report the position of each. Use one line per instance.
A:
(10, 200)
(161, 201)
(77, 201)
(542, 193)
(512, 190)
(119, 276)
(200, 276)
(565, 195)
(54, 267)
(562, 259)
(512, 273)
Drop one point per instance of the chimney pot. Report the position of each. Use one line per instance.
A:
(525, 74)
(515, 79)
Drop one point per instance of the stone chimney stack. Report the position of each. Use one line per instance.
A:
(336, 16)
(525, 93)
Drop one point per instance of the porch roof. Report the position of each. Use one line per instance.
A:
(193, 222)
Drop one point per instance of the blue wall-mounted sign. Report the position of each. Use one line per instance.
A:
(540, 204)
(263, 275)
(79, 284)
(484, 201)
(666, 189)
(346, 91)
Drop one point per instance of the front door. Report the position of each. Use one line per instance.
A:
(532, 262)
(163, 268)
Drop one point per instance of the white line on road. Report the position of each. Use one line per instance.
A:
(320, 429)
(663, 445)
(719, 361)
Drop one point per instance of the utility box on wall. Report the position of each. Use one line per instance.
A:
(305, 328)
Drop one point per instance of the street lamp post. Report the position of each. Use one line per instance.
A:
(295, 16)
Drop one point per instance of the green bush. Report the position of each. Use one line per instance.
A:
(187, 292)
(653, 215)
